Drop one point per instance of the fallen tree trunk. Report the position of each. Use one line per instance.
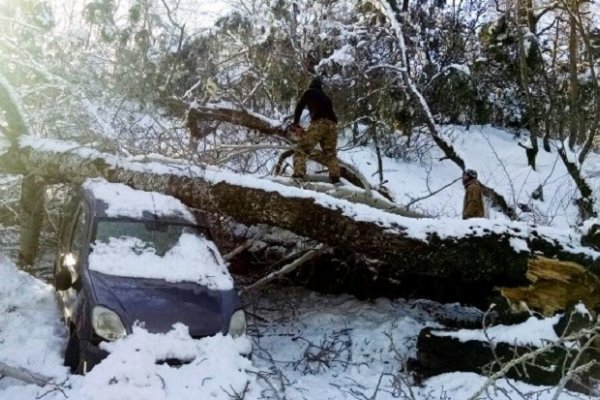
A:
(475, 251)
(566, 355)
(437, 354)
(321, 184)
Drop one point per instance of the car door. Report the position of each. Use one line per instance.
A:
(71, 258)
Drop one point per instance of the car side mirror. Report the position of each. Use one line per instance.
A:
(63, 279)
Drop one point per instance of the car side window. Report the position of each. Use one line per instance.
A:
(75, 244)
(78, 237)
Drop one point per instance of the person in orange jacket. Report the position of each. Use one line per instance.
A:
(473, 203)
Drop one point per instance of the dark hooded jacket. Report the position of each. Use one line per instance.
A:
(318, 103)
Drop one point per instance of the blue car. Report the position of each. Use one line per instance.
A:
(130, 257)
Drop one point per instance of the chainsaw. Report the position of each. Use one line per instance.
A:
(295, 131)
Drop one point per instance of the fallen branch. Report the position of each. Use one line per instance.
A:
(249, 242)
(286, 269)
(24, 375)
(321, 184)
(431, 194)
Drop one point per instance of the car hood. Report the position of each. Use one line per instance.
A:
(158, 304)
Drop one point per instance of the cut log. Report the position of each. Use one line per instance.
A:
(441, 354)
(556, 361)
(554, 286)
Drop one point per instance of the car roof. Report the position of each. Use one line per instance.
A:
(118, 201)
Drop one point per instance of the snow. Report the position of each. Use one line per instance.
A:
(519, 245)
(342, 56)
(192, 259)
(31, 334)
(461, 68)
(316, 346)
(582, 309)
(124, 201)
(131, 370)
(533, 332)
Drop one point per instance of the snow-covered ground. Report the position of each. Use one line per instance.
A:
(501, 164)
(305, 346)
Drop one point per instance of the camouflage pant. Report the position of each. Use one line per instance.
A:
(323, 132)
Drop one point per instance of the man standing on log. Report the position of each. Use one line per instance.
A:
(322, 130)
(473, 203)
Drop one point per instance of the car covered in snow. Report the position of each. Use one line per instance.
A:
(128, 257)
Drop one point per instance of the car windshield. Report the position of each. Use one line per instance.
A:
(158, 250)
(157, 235)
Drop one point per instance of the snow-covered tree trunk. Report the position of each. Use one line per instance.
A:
(32, 217)
(471, 252)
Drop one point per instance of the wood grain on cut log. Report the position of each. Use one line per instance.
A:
(554, 285)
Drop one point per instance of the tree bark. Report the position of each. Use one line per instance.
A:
(586, 202)
(14, 117)
(32, 217)
(573, 78)
(480, 255)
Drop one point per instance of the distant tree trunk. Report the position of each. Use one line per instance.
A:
(532, 122)
(531, 19)
(593, 125)
(405, 5)
(377, 152)
(573, 79)
(586, 202)
(546, 141)
(32, 217)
